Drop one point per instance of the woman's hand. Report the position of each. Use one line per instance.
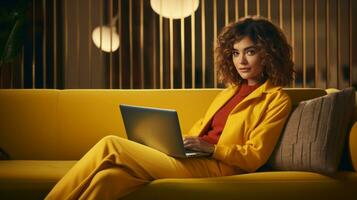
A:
(196, 144)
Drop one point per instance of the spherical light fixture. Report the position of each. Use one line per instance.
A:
(174, 9)
(106, 44)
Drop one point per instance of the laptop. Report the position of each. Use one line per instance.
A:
(157, 128)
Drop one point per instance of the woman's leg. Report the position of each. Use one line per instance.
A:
(116, 166)
(111, 183)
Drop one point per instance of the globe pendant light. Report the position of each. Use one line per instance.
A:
(102, 38)
(174, 9)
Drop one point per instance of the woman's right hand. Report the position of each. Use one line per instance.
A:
(197, 144)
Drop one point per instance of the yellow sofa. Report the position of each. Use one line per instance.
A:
(46, 131)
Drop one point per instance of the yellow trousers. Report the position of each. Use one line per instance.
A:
(116, 166)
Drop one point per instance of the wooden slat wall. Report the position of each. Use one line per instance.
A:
(156, 52)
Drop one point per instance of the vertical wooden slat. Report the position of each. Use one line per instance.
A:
(338, 44)
(161, 48)
(142, 43)
(304, 41)
(183, 81)
(258, 7)
(65, 41)
(120, 48)
(154, 61)
(350, 41)
(22, 66)
(269, 10)
(90, 42)
(171, 53)
(1, 77)
(77, 45)
(226, 12)
(327, 43)
(44, 39)
(236, 10)
(2, 69)
(131, 43)
(315, 44)
(33, 43)
(215, 38)
(111, 44)
(245, 8)
(281, 13)
(193, 48)
(55, 44)
(11, 65)
(203, 41)
(101, 31)
(292, 8)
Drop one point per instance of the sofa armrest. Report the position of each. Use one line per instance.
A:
(353, 145)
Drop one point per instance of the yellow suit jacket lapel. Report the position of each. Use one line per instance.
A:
(221, 100)
(265, 88)
(224, 97)
(218, 103)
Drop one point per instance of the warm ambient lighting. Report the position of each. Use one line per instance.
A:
(175, 9)
(105, 44)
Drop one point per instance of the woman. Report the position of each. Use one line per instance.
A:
(239, 129)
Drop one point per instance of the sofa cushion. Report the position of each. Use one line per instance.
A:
(315, 134)
(292, 185)
(28, 123)
(47, 124)
(30, 179)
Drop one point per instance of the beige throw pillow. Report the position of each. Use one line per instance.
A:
(315, 133)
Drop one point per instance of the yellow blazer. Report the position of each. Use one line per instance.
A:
(252, 128)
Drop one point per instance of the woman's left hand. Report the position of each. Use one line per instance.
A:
(196, 144)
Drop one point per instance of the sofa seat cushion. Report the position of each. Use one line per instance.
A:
(30, 179)
(260, 185)
(26, 179)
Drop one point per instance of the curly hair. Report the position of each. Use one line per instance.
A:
(275, 51)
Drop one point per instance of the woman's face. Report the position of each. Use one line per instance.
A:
(247, 60)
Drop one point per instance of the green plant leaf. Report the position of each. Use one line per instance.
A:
(13, 42)
(12, 33)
